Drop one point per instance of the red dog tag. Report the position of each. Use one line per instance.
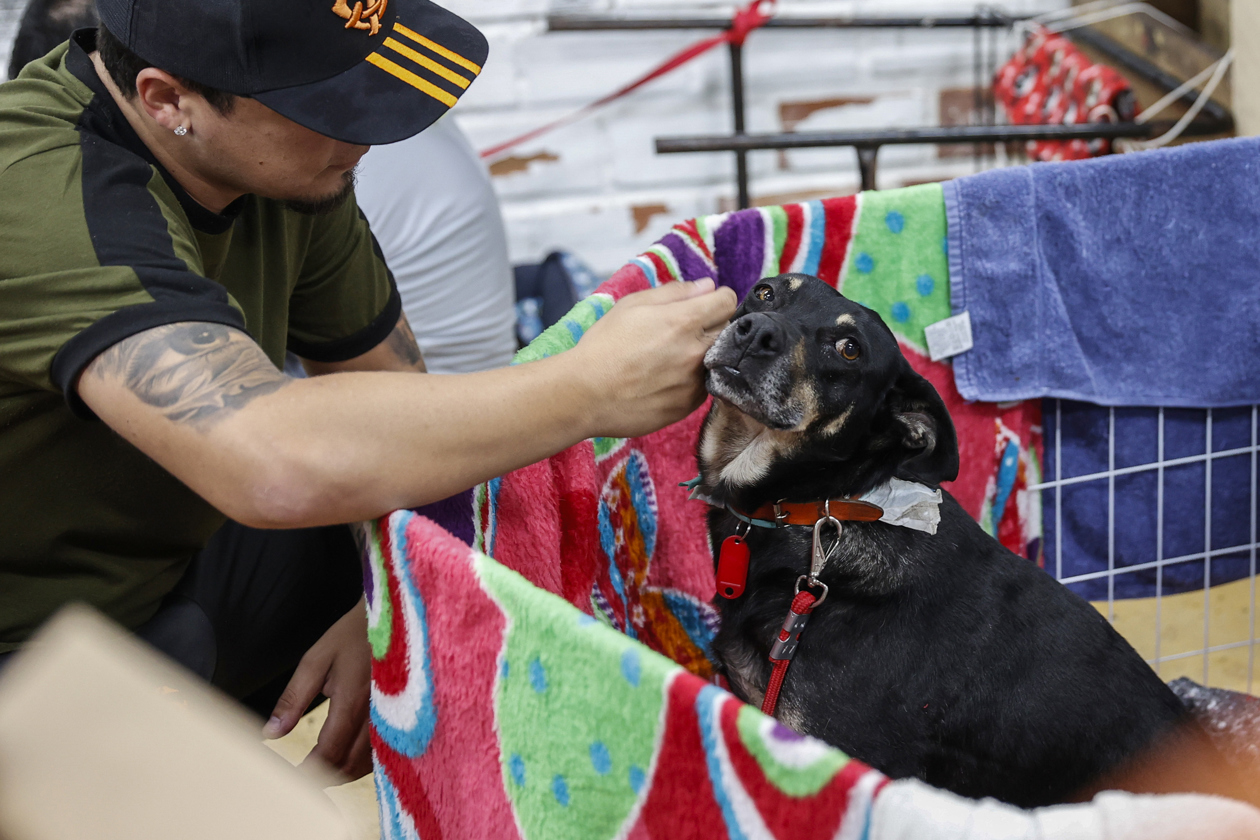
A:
(732, 570)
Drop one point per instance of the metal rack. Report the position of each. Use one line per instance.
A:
(1220, 656)
(868, 143)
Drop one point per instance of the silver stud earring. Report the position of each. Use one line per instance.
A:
(180, 131)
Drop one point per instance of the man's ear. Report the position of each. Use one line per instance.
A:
(159, 95)
(927, 432)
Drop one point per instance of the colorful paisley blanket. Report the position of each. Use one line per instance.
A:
(501, 711)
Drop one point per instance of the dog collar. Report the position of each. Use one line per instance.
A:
(904, 503)
(808, 513)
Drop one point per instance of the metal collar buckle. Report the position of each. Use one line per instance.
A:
(821, 556)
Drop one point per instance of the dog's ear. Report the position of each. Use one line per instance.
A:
(927, 432)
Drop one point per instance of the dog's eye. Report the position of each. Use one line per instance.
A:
(848, 348)
(764, 293)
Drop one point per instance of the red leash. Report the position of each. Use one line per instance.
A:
(803, 604)
(785, 646)
(745, 21)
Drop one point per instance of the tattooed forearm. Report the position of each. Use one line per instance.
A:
(402, 342)
(196, 373)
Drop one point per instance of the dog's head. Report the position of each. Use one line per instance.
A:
(812, 388)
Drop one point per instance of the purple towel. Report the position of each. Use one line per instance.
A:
(1129, 280)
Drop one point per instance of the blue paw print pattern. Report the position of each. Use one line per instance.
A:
(516, 766)
(897, 266)
(600, 759)
(636, 778)
(504, 670)
(537, 676)
(560, 790)
(630, 668)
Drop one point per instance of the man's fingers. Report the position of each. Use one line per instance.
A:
(711, 311)
(339, 732)
(711, 335)
(669, 292)
(358, 761)
(297, 697)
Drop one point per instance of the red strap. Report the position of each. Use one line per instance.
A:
(802, 605)
(745, 21)
(776, 684)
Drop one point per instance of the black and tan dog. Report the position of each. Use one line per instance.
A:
(941, 656)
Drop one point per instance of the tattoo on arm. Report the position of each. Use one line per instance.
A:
(402, 342)
(196, 373)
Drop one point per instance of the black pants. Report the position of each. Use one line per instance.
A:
(252, 603)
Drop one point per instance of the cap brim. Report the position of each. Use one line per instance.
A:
(423, 64)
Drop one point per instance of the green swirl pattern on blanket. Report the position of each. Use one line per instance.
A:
(557, 670)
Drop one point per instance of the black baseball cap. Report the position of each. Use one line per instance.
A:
(361, 71)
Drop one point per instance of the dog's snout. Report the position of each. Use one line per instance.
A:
(760, 335)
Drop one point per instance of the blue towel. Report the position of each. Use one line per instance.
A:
(1127, 280)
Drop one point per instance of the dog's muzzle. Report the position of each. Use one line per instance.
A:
(749, 367)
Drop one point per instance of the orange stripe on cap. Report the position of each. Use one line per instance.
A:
(428, 63)
(437, 48)
(412, 79)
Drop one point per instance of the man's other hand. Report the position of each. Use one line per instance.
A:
(644, 358)
(339, 666)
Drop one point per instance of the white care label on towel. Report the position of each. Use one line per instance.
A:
(949, 337)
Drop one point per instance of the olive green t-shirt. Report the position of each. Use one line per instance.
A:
(98, 243)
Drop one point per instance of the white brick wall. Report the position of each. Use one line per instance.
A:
(588, 181)
(582, 190)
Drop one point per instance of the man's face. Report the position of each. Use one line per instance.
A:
(255, 150)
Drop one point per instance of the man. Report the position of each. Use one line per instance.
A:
(176, 208)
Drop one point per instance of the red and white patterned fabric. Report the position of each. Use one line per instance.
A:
(1050, 82)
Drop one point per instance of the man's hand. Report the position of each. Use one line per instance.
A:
(339, 666)
(644, 357)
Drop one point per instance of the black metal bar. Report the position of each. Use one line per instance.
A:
(1152, 72)
(866, 165)
(977, 83)
(592, 23)
(997, 60)
(737, 111)
(907, 136)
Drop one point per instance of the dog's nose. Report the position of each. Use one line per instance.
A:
(759, 335)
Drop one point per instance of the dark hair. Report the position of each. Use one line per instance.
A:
(45, 24)
(123, 66)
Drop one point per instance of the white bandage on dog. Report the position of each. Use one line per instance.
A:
(908, 504)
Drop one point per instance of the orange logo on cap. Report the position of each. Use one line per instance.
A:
(361, 17)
